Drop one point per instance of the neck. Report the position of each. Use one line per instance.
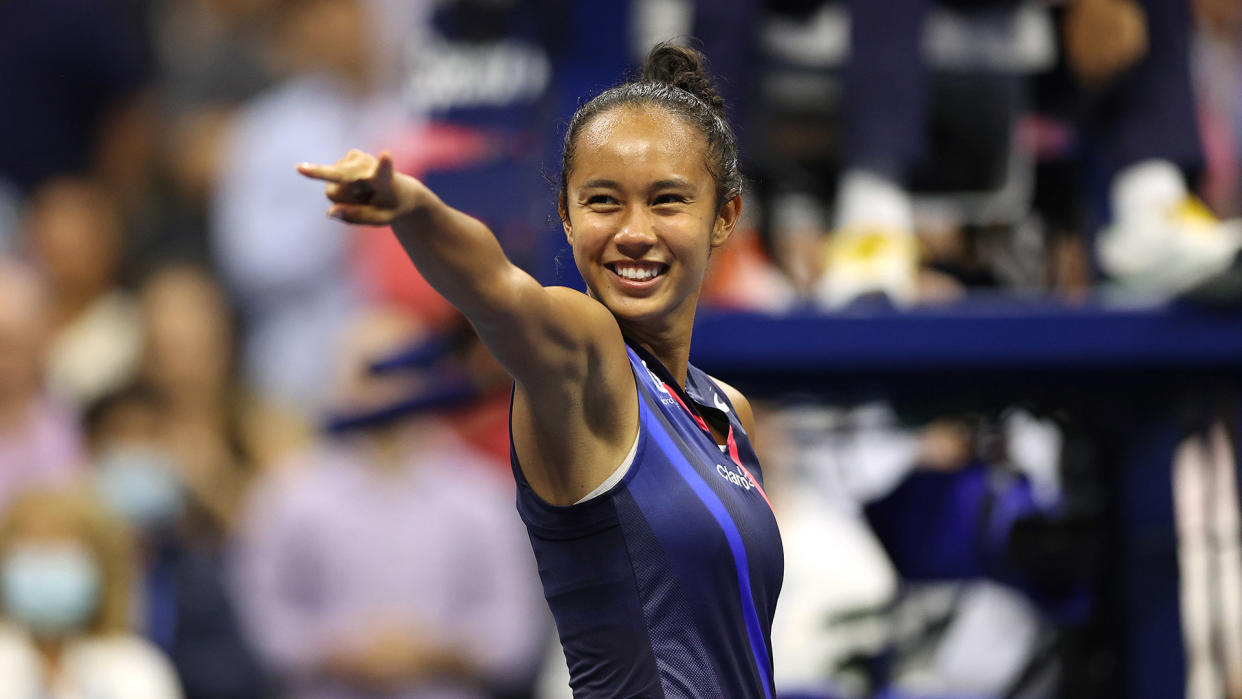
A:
(669, 342)
(50, 649)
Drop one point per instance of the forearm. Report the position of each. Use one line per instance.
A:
(461, 259)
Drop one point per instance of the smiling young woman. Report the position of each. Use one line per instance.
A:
(658, 551)
(642, 239)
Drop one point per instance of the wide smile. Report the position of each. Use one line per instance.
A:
(637, 274)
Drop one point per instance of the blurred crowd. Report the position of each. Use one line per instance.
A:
(212, 485)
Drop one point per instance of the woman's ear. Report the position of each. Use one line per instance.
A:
(563, 211)
(726, 221)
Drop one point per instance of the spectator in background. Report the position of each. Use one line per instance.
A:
(39, 442)
(1132, 55)
(388, 562)
(218, 427)
(75, 234)
(208, 52)
(1136, 56)
(285, 264)
(185, 608)
(72, 82)
(208, 62)
(64, 583)
(873, 248)
(894, 539)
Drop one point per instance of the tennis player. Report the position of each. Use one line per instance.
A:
(657, 547)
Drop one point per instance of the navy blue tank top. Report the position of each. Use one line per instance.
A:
(665, 585)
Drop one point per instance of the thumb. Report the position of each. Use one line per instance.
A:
(384, 170)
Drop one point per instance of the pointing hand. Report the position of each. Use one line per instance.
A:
(365, 189)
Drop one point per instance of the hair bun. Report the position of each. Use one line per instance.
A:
(685, 68)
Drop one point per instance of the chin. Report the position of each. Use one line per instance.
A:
(636, 310)
(631, 311)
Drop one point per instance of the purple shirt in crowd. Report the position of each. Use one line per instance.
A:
(333, 546)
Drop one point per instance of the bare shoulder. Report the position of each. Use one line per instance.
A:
(740, 404)
(582, 315)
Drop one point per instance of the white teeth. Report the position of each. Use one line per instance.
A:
(636, 273)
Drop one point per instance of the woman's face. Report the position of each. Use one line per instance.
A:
(640, 212)
(189, 341)
(76, 235)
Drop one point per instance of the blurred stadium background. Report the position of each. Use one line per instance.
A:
(985, 298)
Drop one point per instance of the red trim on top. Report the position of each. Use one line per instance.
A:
(738, 460)
(730, 440)
(697, 418)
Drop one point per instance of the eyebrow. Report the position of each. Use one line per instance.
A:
(603, 184)
(673, 183)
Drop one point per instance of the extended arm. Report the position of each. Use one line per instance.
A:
(575, 409)
(527, 326)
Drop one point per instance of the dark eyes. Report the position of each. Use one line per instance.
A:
(608, 200)
(670, 199)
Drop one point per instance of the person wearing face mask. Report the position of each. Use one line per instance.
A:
(64, 598)
(135, 475)
(184, 607)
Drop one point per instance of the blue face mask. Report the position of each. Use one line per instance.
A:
(51, 589)
(140, 483)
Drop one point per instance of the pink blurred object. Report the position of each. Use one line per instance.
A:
(45, 450)
(1220, 180)
(1045, 138)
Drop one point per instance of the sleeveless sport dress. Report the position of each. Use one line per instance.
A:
(665, 584)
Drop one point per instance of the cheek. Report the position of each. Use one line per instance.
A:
(589, 236)
(582, 251)
(693, 236)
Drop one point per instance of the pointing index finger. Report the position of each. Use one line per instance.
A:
(326, 173)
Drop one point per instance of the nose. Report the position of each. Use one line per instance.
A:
(635, 237)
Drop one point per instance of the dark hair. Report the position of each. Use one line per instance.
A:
(137, 394)
(673, 78)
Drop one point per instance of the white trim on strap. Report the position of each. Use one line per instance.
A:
(617, 475)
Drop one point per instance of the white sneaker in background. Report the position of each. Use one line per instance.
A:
(1163, 240)
(873, 250)
(868, 261)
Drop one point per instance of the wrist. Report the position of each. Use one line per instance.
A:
(413, 196)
